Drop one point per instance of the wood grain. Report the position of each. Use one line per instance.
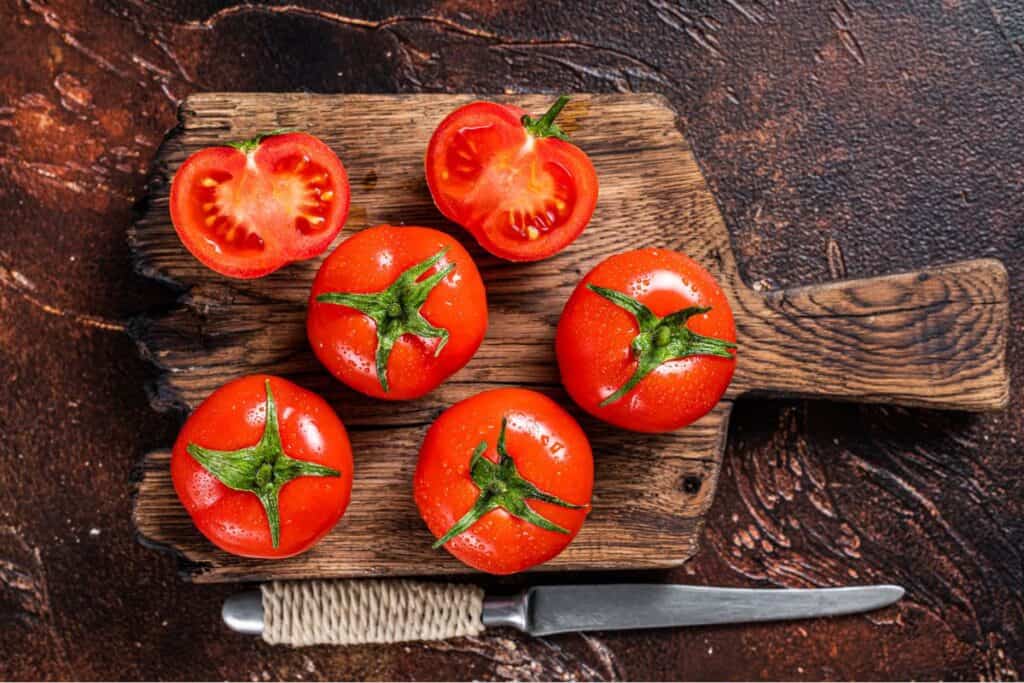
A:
(935, 338)
(932, 338)
(382, 534)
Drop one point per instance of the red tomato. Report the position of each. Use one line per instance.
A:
(264, 467)
(516, 183)
(247, 209)
(647, 341)
(504, 480)
(395, 311)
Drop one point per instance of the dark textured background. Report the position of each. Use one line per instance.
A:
(840, 137)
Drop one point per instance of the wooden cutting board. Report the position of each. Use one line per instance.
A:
(932, 338)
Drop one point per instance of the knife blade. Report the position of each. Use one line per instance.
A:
(547, 610)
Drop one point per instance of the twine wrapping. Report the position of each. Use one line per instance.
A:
(302, 613)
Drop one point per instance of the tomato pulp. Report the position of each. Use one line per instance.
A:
(517, 184)
(248, 209)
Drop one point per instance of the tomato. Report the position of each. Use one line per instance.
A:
(517, 184)
(504, 480)
(647, 341)
(247, 209)
(264, 467)
(395, 311)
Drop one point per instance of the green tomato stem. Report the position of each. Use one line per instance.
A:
(501, 486)
(396, 310)
(250, 144)
(660, 339)
(262, 469)
(545, 126)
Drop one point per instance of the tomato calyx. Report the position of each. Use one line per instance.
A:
(261, 469)
(250, 144)
(661, 339)
(545, 126)
(396, 310)
(501, 486)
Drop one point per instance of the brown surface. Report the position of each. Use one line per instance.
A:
(839, 138)
(935, 338)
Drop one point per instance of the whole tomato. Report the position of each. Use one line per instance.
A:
(264, 467)
(647, 341)
(250, 207)
(395, 310)
(516, 183)
(504, 480)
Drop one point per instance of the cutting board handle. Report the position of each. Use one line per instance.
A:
(935, 337)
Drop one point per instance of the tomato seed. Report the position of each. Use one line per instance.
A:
(254, 241)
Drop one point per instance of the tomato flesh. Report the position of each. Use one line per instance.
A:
(523, 197)
(246, 214)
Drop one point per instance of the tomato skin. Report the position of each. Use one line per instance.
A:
(594, 336)
(550, 450)
(511, 170)
(345, 340)
(289, 196)
(233, 417)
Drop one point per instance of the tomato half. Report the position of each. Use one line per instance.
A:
(246, 210)
(395, 310)
(647, 341)
(264, 467)
(504, 480)
(515, 183)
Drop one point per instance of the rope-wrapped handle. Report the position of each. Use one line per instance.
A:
(368, 611)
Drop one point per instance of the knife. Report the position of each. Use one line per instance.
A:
(349, 612)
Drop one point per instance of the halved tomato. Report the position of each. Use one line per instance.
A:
(248, 208)
(517, 184)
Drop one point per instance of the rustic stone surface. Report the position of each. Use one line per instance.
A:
(841, 138)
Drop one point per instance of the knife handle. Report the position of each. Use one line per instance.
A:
(300, 613)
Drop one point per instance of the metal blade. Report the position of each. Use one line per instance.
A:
(559, 609)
